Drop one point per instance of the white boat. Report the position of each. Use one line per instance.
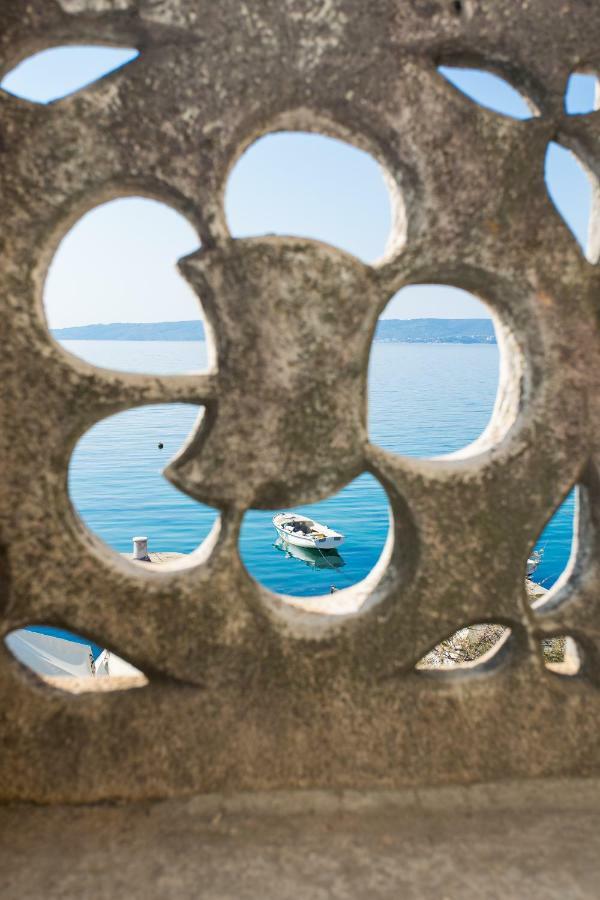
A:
(51, 654)
(304, 532)
(64, 656)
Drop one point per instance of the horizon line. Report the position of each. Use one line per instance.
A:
(201, 321)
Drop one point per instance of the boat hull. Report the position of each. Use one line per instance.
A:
(302, 540)
(310, 556)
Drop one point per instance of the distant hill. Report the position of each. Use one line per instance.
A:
(411, 331)
(133, 331)
(436, 331)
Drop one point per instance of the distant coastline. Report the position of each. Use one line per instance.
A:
(411, 331)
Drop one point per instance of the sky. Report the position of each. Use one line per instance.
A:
(117, 264)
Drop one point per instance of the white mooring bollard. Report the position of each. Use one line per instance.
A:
(140, 548)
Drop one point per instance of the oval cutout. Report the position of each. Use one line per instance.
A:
(562, 655)
(59, 71)
(287, 566)
(312, 186)
(71, 662)
(570, 185)
(582, 95)
(489, 90)
(117, 487)
(466, 646)
(551, 558)
(113, 282)
(433, 381)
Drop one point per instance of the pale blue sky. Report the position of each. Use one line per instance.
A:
(117, 263)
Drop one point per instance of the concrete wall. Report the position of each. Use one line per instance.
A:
(248, 692)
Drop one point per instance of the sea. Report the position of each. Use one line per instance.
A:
(425, 400)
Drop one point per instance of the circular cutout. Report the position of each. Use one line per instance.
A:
(433, 378)
(117, 487)
(113, 295)
(307, 561)
(309, 185)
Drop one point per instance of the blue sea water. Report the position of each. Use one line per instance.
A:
(424, 400)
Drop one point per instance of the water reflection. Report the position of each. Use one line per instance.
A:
(316, 559)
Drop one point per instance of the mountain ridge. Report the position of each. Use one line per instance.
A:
(413, 331)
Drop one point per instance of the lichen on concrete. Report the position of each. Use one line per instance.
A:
(247, 691)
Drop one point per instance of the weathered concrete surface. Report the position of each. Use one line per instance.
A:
(249, 692)
(160, 557)
(537, 841)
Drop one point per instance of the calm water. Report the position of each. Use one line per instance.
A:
(424, 400)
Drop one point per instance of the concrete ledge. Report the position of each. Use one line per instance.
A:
(515, 840)
(95, 685)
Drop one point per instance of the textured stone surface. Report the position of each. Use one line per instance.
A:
(248, 691)
(536, 841)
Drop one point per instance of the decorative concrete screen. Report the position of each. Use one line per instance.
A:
(248, 690)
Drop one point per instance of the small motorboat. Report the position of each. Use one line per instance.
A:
(304, 532)
(533, 562)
